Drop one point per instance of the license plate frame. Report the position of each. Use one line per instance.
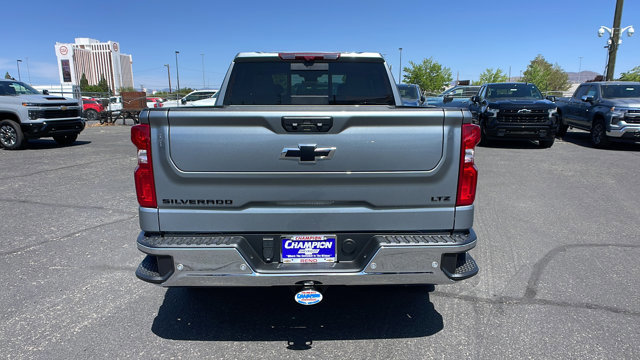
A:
(308, 248)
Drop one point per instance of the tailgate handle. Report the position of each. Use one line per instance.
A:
(311, 124)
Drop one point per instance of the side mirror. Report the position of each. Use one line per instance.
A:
(551, 98)
(475, 99)
(422, 98)
(183, 101)
(45, 92)
(447, 98)
(588, 99)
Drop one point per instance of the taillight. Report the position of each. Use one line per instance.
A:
(468, 176)
(145, 186)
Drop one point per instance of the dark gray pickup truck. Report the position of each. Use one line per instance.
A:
(307, 172)
(610, 111)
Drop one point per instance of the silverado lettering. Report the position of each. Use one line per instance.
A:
(196, 202)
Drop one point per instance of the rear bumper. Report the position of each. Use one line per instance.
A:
(53, 128)
(235, 260)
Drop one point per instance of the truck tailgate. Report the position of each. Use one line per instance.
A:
(240, 170)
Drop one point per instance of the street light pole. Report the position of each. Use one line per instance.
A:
(579, 69)
(168, 76)
(177, 78)
(400, 69)
(28, 72)
(614, 39)
(18, 64)
(203, 83)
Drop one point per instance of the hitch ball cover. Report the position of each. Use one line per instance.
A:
(308, 297)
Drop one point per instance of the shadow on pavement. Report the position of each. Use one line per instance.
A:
(42, 144)
(583, 138)
(512, 144)
(271, 314)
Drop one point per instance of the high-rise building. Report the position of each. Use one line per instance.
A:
(95, 60)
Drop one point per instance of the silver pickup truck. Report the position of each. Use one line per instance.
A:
(307, 172)
(27, 114)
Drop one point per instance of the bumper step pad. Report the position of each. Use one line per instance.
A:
(466, 267)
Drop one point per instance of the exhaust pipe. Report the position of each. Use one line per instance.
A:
(309, 295)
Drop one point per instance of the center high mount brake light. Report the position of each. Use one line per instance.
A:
(309, 56)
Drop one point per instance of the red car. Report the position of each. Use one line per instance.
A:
(154, 102)
(92, 109)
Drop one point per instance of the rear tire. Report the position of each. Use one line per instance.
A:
(65, 140)
(599, 134)
(11, 136)
(91, 115)
(545, 144)
(562, 127)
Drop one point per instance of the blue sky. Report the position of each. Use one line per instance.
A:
(466, 36)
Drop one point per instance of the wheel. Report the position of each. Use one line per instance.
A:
(562, 127)
(599, 134)
(65, 140)
(91, 115)
(11, 136)
(546, 143)
(483, 135)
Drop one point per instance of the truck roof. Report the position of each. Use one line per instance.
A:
(613, 82)
(364, 55)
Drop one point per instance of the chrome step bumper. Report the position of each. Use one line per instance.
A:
(388, 259)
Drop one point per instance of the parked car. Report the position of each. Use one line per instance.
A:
(26, 113)
(514, 111)
(115, 104)
(457, 96)
(411, 94)
(191, 97)
(155, 102)
(92, 109)
(610, 111)
(210, 101)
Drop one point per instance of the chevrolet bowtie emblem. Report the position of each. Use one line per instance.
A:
(524, 111)
(307, 153)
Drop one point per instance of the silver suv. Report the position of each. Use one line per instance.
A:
(27, 114)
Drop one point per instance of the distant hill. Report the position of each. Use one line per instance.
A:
(583, 76)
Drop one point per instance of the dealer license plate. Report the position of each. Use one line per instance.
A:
(308, 248)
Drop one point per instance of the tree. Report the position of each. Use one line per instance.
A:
(102, 84)
(545, 76)
(84, 83)
(631, 75)
(491, 76)
(429, 75)
(7, 76)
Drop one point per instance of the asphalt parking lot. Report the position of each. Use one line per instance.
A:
(558, 250)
